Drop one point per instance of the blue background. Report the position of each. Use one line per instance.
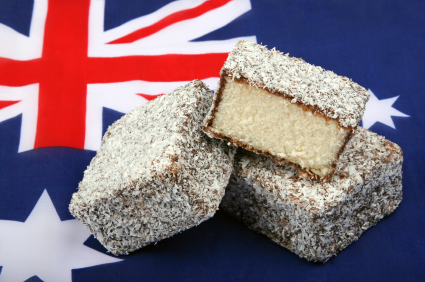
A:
(379, 44)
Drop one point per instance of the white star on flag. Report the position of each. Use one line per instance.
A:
(45, 246)
(380, 111)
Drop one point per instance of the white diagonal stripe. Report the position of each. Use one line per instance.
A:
(16, 46)
(121, 97)
(174, 39)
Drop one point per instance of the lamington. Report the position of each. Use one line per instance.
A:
(317, 220)
(155, 174)
(285, 108)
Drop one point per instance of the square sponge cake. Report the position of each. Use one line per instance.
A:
(317, 220)
(285, 108)
(156, 173)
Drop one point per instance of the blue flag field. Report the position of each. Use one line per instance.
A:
(69, 69)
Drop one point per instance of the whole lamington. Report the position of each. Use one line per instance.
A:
(156, 173)
(285, 108)
(318, 220)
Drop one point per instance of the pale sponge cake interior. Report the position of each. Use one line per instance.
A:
(285, 108)
(273, 124)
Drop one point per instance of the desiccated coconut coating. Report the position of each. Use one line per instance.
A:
(156, 173)
(315, 220)
(334, 96)
(285, 108)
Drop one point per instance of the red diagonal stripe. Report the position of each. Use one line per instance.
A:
(4, 104)
(149, 97)
(171, 19)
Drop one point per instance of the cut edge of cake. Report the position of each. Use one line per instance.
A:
(305, 172)
(347, 117)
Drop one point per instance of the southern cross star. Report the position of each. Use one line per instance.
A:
(45, 246)
(380, 111)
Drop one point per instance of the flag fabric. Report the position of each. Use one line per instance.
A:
(69, 69)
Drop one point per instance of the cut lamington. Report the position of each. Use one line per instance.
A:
(317, 220)
(156, 173)
(285, 108)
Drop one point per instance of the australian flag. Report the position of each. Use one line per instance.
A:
(69, 69)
